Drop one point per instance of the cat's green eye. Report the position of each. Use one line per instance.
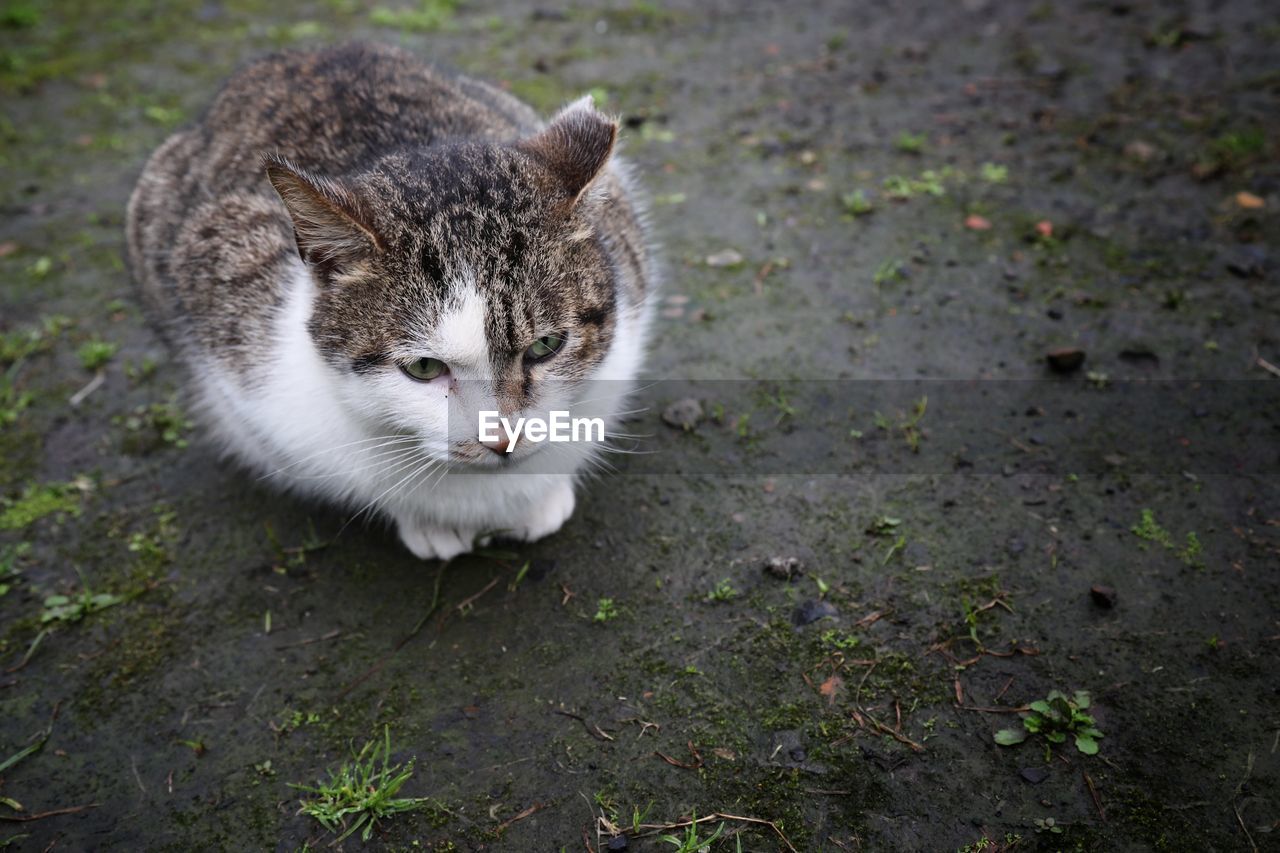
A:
(545, 347)
(424, 369)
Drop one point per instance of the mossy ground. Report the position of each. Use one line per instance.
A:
(264, 630)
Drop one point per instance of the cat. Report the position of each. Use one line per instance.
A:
(353, 252)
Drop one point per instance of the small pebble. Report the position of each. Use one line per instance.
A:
(1103, 596)
(784, 568)
(1065, 359)
(683, 414)
(725, 258)
(811, 611)
(1034, 775)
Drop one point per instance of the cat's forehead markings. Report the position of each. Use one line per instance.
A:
(459, 338)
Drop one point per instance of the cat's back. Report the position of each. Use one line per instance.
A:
(203, 202)
(338, 109)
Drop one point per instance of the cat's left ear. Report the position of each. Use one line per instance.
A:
(575, 146)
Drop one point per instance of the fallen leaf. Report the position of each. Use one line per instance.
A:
(974, 222)
(829, 688)
(1249, 201)
(1044, 228)
(725, 258)
(1140, 151)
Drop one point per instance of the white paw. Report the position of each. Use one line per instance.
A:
(431, 542)
(546, 516)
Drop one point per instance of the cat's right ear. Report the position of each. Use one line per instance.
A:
(329, 223)
(575, 146)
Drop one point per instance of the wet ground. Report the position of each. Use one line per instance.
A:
(845, 192)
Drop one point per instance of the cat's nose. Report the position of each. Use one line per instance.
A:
(499, 446)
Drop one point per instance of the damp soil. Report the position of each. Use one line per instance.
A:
(818, 629)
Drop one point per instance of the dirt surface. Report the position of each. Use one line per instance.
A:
(909, 191)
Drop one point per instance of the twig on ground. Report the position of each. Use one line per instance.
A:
(677, 763)
(592, 729)
(94, 384)
(533, 809)
(466, 603)
(56, 812)
(1093, 792)
(651, 828)
(431, 609)
(332, 635)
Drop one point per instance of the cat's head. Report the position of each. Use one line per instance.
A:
(463, 277)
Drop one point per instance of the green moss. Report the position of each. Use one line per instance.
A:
(426, 16)
(788, 715)
(543, 93)
(41, 501)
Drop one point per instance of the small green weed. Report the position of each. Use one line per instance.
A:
(1149, 530)
(723, 591)
(9, 557)
(883, 525)
(857, 203)
(986, 844)
(606, 610)
(73, 608)
(910, 143)
(888, 272)
(993, 173)
(361, 792)
(1056, 717)
(908, 424)
(96, 354)
(841, 642)
(691, 842)
(150, 427)
(930, 182)
(429, 15)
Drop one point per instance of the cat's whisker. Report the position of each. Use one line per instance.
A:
(629, 393)
(377, 465)
(389, 439)
(639, 411)
(368, 507)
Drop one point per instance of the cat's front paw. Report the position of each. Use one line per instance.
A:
(548, 515)
(431, 542)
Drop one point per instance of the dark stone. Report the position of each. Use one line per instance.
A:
(1248, 262)
(1015, 546)
(1140, 357)
(618, 842)
(811, 611)
(1103, 596)
(1065, 359)
(1034, 775)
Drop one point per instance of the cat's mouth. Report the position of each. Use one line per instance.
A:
(474, 454)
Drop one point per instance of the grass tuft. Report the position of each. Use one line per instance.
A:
(361, 792)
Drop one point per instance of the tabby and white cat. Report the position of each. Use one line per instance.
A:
(352, 250)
